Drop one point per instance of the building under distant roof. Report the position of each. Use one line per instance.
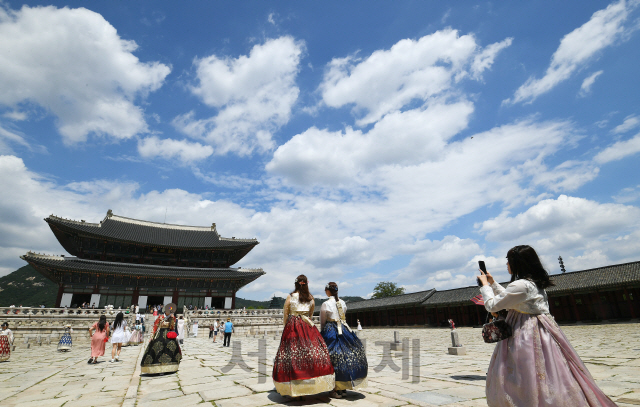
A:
(122, 261)
(603, 293)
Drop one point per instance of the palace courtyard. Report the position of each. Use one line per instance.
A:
(424, 374)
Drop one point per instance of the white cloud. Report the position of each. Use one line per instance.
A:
(585, 88)
(578, 47)
(627, 195)
(399, 138)
(253, 96)
(436, 258)
(630, 122)
(185, 151)
(410, 70)
(619, 150)
(563, 220)
(73, 63)
(484, 60)
(568, 176)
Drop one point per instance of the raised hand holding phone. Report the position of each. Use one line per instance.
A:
(484, 278)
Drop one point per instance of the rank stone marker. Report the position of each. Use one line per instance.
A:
(456, 347)
(396, 344)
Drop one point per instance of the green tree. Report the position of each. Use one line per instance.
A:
(386, 289)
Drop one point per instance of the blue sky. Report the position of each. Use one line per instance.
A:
(359, 142)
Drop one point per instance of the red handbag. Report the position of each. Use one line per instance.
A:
(172, 335)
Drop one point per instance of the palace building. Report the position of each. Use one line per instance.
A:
(599, 294)
(122, 261)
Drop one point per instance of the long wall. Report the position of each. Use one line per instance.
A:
(587, 306)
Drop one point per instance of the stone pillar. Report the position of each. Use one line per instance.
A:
(233, 301)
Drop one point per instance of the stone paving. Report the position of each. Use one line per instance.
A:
(426, 375)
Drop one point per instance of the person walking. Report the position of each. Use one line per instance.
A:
(216, 326)
(195, 329)
(536, 366)
(119, 336)
(228, 330)
(180, 329)
(302, 365)
(163, 354)
(359, 326)
(99, 333)
(65, 342)
(347, 353)
(6, 341)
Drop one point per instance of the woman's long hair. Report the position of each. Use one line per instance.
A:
(102, 323)
(302, 288)
(118, 321)
(333, 289)
(525, 263)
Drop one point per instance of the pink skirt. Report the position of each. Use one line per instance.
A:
(537, 366)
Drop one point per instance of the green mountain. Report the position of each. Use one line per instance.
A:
(28, 288)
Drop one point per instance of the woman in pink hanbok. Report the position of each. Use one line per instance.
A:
(536, 366)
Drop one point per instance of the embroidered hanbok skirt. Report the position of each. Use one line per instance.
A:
(136, 337)
(537, 366)
(302, 365)
(5, 348)
(65, 342)
(162, 355)
(347, 356)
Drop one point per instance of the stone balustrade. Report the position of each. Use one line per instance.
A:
(46, 325)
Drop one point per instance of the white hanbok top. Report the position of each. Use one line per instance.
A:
(119, 334)
(7, 332)
(522, 295)
(329, 311)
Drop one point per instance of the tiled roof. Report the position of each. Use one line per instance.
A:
(102, 267)
(404, 299)
(616, 275)
(450, 297)
(123, 229)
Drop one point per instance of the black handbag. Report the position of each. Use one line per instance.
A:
(496, 330)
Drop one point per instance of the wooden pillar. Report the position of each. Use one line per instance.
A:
(233, 300)
(478, 314)
(598, 306)
(395, 313)
(135, 296)
(576, 312)
(437, 322)
(59, 296)
(626, 294)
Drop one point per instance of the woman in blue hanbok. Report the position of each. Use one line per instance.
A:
(65, 340)
(345, 349)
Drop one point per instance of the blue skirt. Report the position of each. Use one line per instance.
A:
(347, 355)
(65, 342)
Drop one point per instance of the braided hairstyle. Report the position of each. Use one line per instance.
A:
(333, 289)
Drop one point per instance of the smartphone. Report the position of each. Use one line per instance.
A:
(482, 266)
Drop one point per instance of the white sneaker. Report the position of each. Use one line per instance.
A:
(117, 358)
(111, 360)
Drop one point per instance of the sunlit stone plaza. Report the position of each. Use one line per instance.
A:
(422, 373)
